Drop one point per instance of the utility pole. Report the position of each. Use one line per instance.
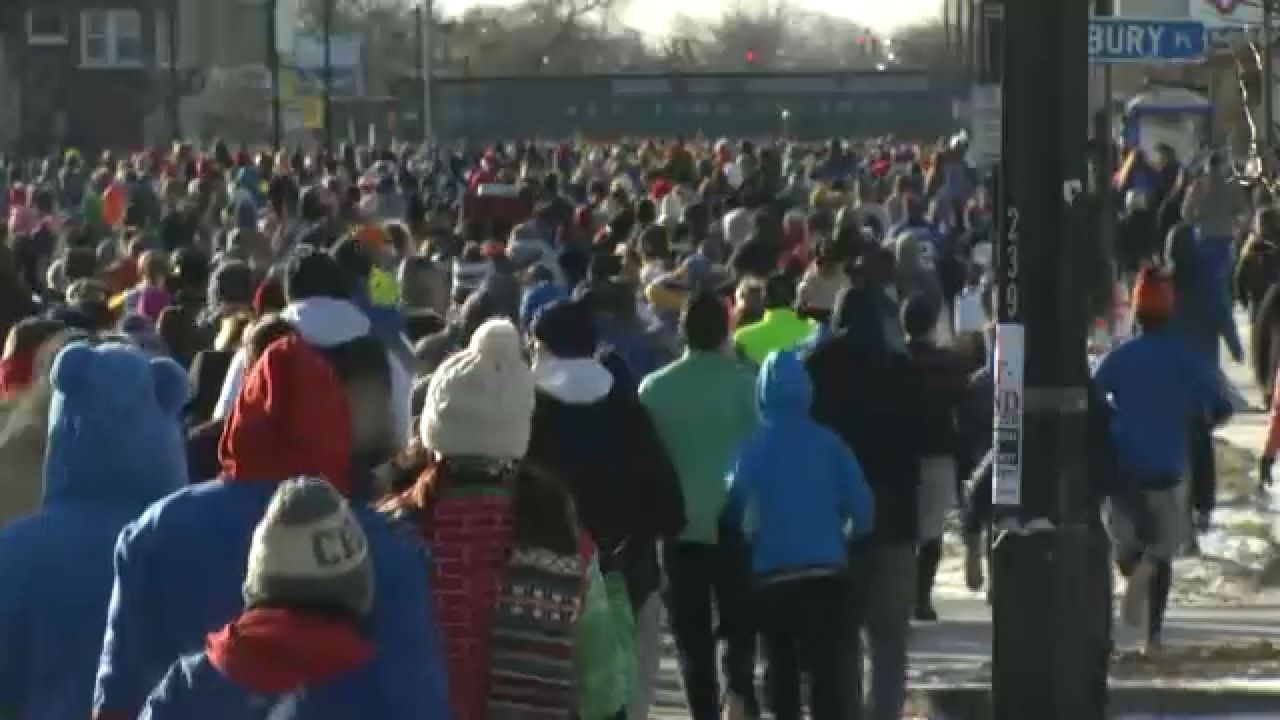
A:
(946, 25)
(424, 19)
(974, 62)
(1105, 169)
(1268, 84)
(175, 83)
(327, 22)
(1051, 614)
(273, 66)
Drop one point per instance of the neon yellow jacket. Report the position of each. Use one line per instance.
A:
(779, 329)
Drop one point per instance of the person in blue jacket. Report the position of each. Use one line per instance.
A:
(298, 649)
(798, 493)
(180, 567)
(115, 446)
(1157, 386)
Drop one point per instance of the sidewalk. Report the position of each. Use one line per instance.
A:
(1223, 630)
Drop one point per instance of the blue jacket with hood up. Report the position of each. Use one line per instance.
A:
(180, 567)
(115, 446)
(795, 487)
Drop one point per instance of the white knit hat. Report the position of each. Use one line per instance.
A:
(480, 401)
(309, 551)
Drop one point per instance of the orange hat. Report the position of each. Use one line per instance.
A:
(371, 236)
(1152, 295)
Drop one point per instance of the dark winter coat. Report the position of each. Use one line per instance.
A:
(1257, 270)
(872, 397)
(946, 381)
(592, 432)
(1264, 341)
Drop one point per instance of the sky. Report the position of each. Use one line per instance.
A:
(653, 17)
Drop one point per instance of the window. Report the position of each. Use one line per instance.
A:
(46, 27)
(111, 38)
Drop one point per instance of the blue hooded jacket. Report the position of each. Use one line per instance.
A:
(179, 568)
(115, 446)
(1157, 385)
(795, 487)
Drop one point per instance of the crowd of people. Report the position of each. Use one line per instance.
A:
(446, 434)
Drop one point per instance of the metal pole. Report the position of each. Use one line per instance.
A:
(1051, 605)
(428, 70)
(1268, 81)
(946, 25)
(273, 65)
(175, 83)
(421, 43)
(975, 45)
(328, 75)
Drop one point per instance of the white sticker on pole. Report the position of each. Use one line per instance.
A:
(1006, 475)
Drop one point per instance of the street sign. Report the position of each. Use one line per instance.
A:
(1129, 40)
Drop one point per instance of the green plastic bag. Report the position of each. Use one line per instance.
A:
(606, 658)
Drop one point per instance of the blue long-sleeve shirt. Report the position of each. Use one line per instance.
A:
(1157, 385)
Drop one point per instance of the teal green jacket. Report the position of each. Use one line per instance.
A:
(704, 408)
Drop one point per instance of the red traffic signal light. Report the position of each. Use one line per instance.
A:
(751, 57)
(1226, 7)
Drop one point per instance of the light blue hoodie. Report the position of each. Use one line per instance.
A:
(795, 487)
(115, 446)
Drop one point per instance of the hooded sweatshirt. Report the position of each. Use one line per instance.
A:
(115, 446)
(795, 489)
(327, 323)
(181, 565)
(593, 432)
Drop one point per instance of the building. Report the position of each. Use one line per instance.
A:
(86, 72)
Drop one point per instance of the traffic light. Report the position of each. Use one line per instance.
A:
(751, 56)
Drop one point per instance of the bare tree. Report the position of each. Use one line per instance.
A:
(923, 45)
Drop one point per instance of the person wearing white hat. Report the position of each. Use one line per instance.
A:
(475, 425)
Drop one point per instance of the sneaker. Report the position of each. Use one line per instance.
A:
(926, 613)
(973, 576)
(1133, 608)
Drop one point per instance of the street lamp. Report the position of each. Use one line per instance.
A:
(785, 115)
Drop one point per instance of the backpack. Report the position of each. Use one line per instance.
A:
(532, 638)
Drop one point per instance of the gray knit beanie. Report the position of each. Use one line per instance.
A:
(308, 550)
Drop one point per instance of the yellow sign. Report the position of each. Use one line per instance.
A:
(312, 112)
